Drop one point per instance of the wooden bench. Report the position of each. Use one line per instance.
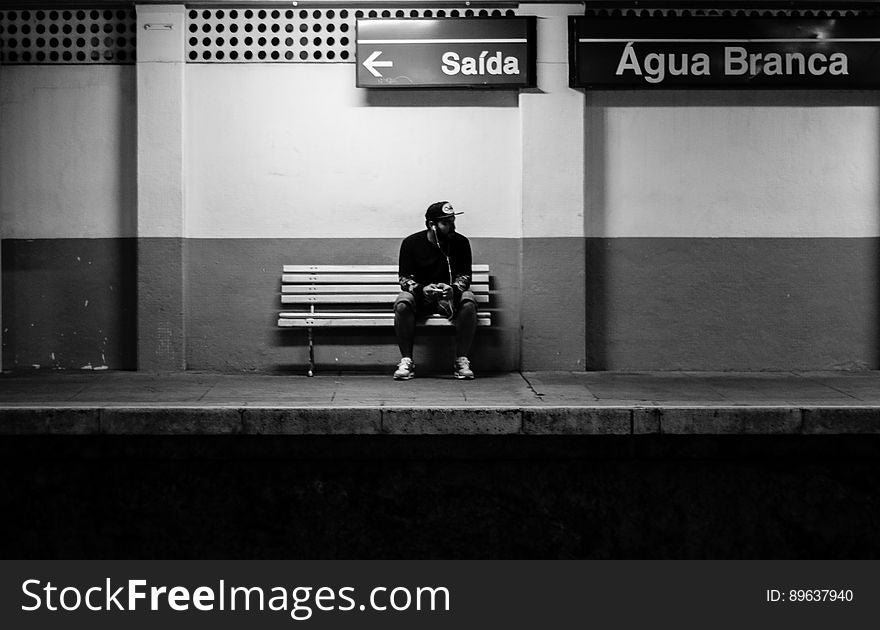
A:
(336, 296)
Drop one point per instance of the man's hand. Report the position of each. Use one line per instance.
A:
(444, 290)
(438, 291)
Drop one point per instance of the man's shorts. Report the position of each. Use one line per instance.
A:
(424, 308)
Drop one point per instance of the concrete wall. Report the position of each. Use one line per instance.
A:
(298, 166)
(625, 230)
(732, 230)
(67, 215)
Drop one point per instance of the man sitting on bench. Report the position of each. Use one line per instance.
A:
(435, 277)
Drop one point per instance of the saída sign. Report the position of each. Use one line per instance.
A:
(716, 52)
(446, 52)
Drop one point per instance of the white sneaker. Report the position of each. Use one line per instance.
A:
(463, 368)
(406, 369)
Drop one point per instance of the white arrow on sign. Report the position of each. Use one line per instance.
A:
(371, 64)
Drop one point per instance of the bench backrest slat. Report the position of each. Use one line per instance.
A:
(307, 289)
(358, 268)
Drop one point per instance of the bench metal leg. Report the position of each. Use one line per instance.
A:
(311, 354)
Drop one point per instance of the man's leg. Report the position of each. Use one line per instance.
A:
(405, 327)
(465, 327)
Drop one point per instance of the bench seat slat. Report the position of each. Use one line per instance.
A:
(378, 298)
(364, 278)
(358, 268)
(354, 322)
(353, 314)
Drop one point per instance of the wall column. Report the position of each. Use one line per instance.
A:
(553, 252)
(160, 188)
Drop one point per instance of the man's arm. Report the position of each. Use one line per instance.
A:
(463, 272)
(406, 271)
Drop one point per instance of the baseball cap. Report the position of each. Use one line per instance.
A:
(440, 210)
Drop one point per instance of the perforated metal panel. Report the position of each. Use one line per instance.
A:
(79, 36)
(291, 35)
(740, 11)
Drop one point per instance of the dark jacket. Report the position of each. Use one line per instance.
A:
(422, 263)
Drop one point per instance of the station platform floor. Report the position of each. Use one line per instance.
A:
(540, 403)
